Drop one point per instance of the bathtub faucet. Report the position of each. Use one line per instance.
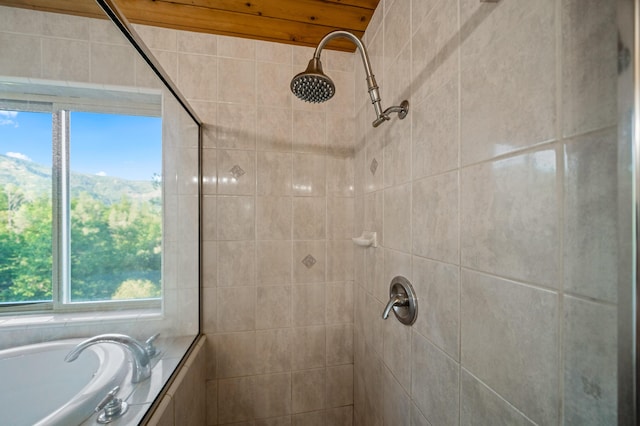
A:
(141, 359)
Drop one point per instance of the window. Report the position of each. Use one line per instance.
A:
(80, 204)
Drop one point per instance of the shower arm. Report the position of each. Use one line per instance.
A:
(374, 92)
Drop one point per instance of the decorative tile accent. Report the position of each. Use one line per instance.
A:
(237, 171)
(309, 261)
(374, 166)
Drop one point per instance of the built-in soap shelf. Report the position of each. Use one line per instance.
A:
(367, 239)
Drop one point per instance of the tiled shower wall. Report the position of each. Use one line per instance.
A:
(278, 203)
(497, 197)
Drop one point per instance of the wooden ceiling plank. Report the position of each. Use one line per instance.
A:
(365, 4)
(194, 18)
(88, 9)
(309, 11)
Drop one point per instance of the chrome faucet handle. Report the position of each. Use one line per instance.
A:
(402, 301)
(396, 300)
(149, 347)
(113, 407)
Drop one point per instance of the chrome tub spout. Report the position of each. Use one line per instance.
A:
(141, 359)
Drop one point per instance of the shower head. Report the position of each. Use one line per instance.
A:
(312, 85)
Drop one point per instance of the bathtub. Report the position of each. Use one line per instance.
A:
(37, 387)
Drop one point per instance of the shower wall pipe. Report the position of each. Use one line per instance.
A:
(374, 91)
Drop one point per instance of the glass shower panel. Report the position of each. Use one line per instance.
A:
(120, 187)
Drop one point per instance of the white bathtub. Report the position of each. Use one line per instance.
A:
(37, 387)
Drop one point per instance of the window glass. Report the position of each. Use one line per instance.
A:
(116, 206)
(25, 207)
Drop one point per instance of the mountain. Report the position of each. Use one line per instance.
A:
(35, 179)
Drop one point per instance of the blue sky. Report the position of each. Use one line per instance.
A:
(101, 144)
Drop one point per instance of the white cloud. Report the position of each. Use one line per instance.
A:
(7, 118)
(101, 174)
(18, 155)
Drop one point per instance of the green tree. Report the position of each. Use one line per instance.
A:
(31, 265)
(137, 289)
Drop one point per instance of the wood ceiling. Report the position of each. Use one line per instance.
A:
(300, 22)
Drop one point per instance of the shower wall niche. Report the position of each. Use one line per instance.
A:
(86, 64)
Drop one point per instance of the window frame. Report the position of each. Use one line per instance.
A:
(42, 98)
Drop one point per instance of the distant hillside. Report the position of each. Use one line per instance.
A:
(35, 180)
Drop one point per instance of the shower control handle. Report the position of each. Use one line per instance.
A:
(402, 301)
(396, 300)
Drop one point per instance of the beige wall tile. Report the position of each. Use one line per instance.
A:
(339, 386)
(274, 129)
(488, 93)
(397, 152)
(313, 418)
(309, 218)
(397, 218)
(309, 261)
(589, 71)
(236, 263)
(480, 405)
(509, 217)
(509, 324)
(242, 89)
(340, 212)
(236, 172)
(236, 126)
(339, 303)
(591, 216)
(272, 396)
(435, 132)
(209, 222)
(22, 21)
(397, 350)
(236, 399)
(235, 47)
(273, 307)
(590, 373)
(274, 52)
(309, 131)
(274, 173)
(435, 218)
(273, 81)
(273, 262)
(236, 218)
(66, 59)
(160, 38)
(430, 365)
(310, 348)
(435, 48)
(112, 64)
(438, 287)
(274, 218)
(192, 42)
(308, 388)
(397, 404)
(236, 308)
(273, 348)
(209, 171)
(339, 260)
(194, 84)
(342, 416)
(309, 175)
(236, 354)
(339, 344)
(308, 304)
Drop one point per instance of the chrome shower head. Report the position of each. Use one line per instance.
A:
(313, 85)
